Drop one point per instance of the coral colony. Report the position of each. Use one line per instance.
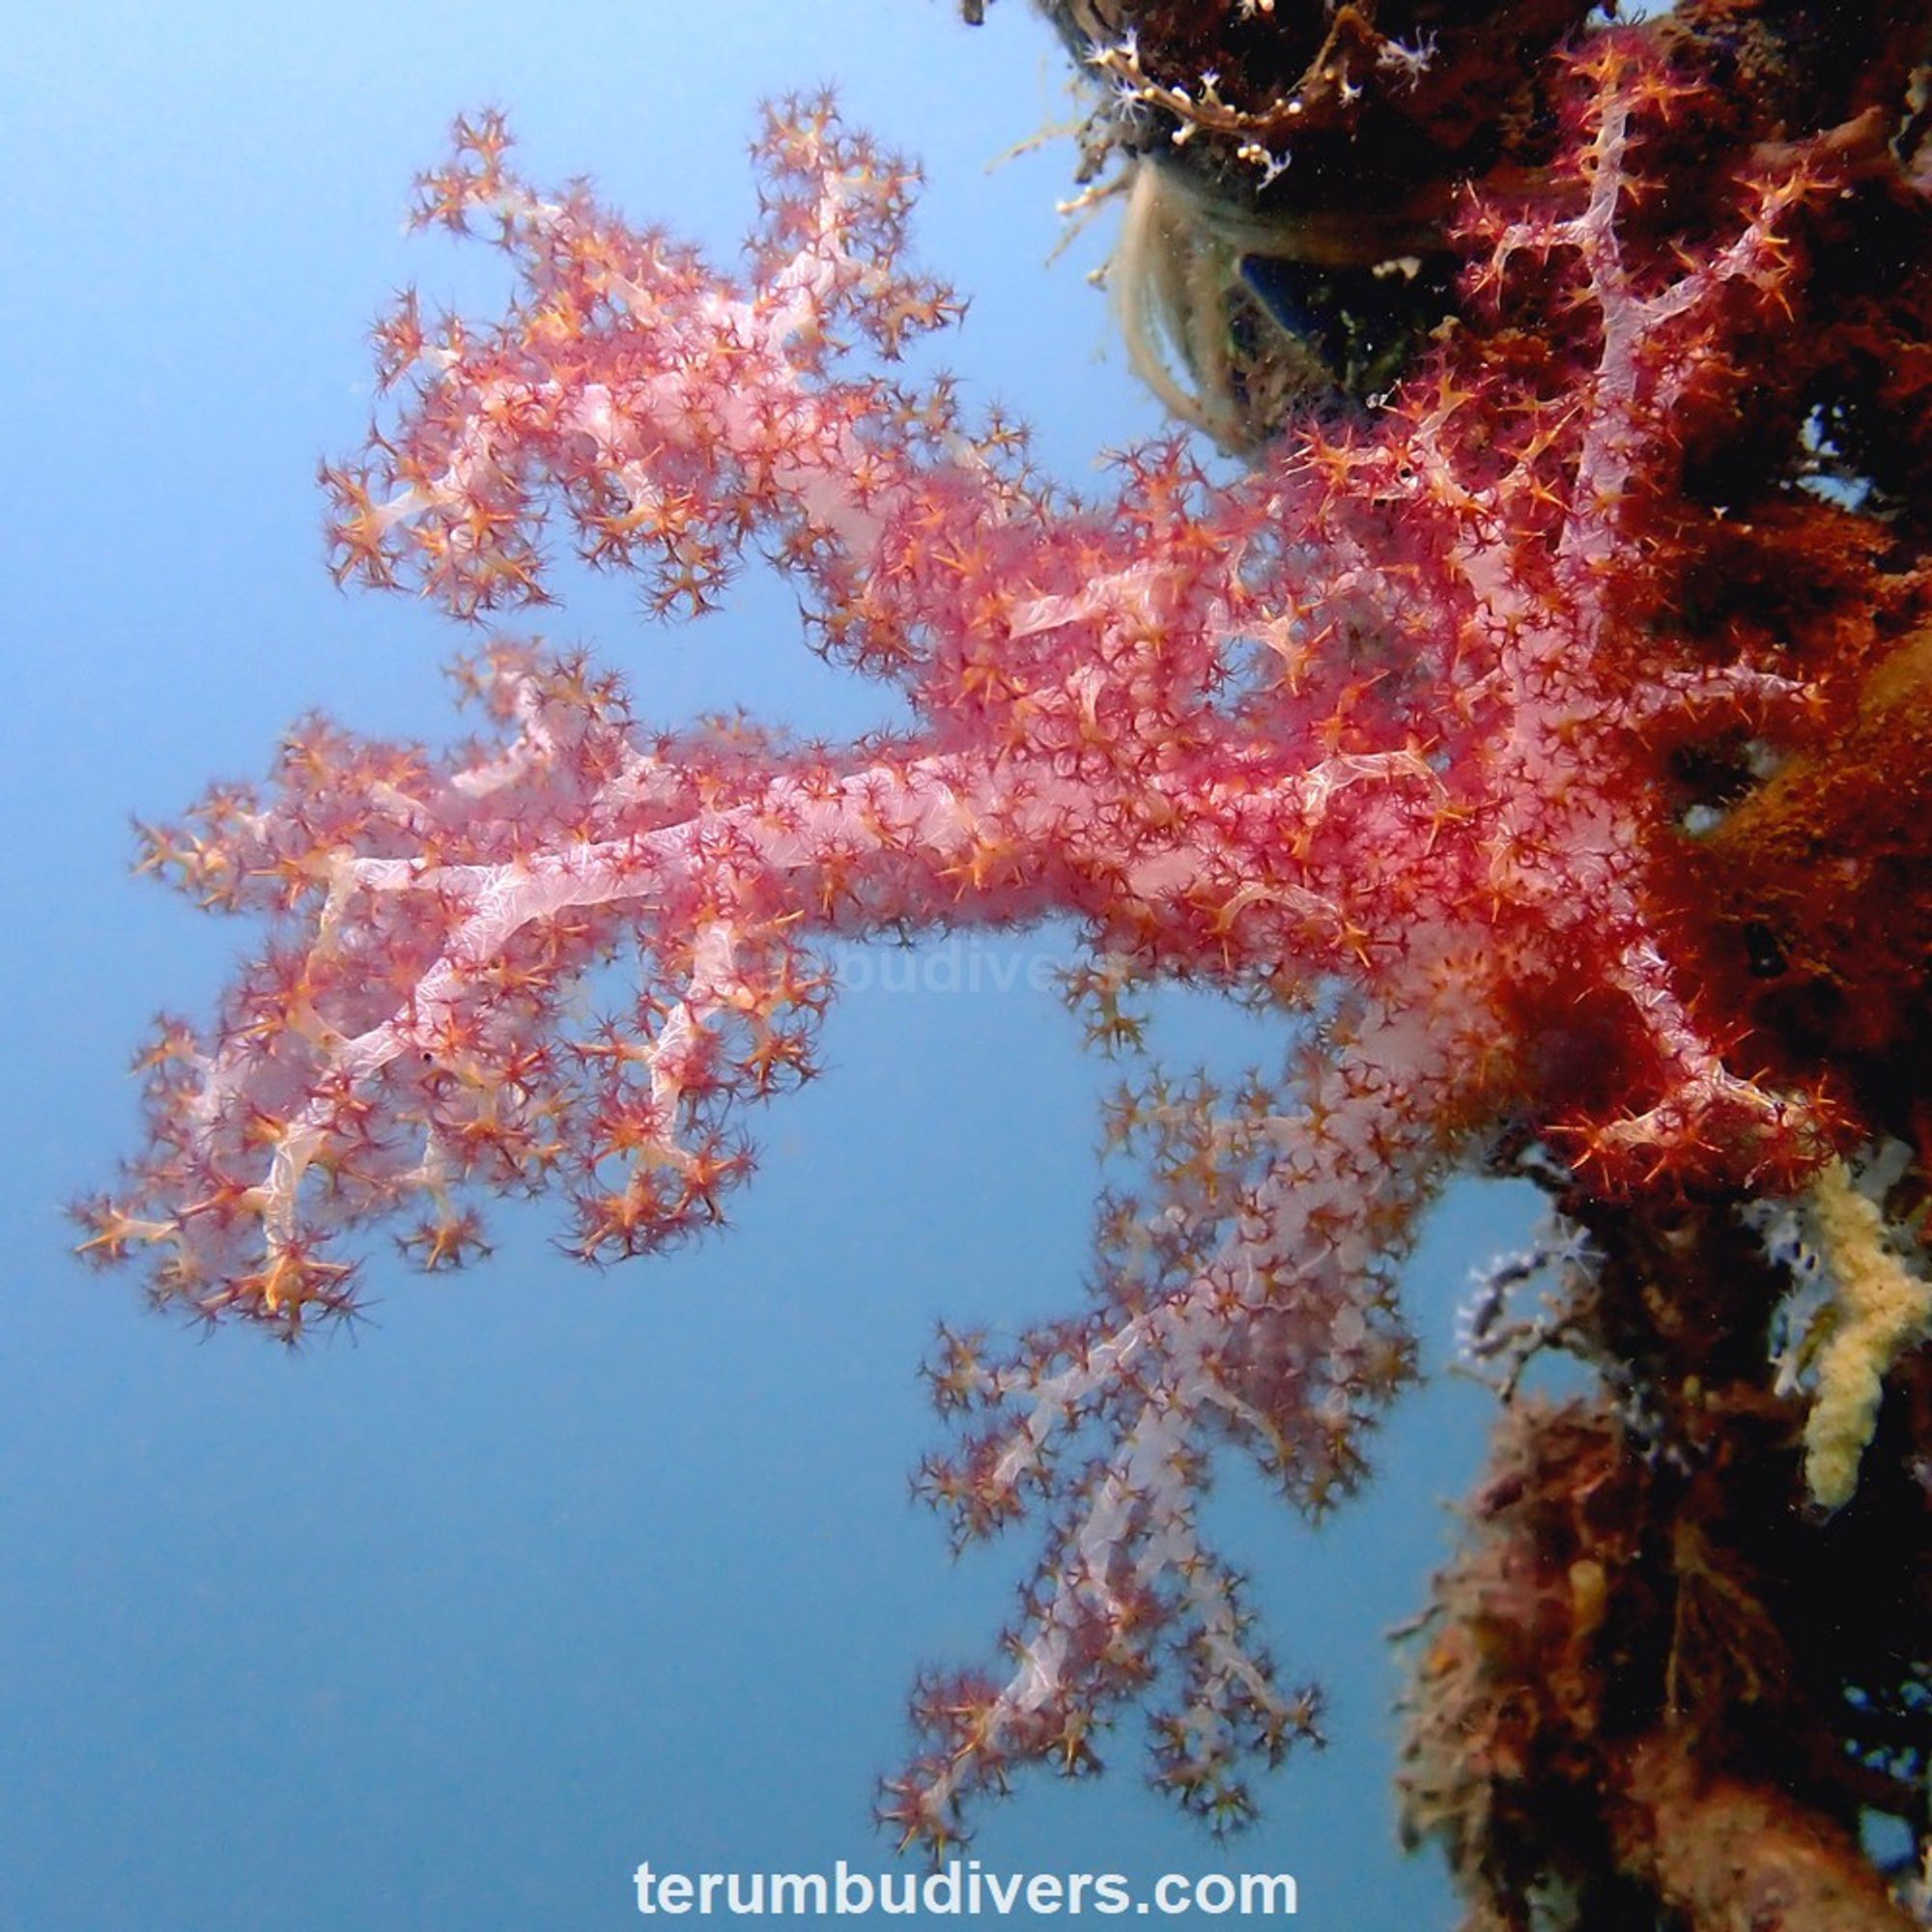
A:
(1536, 721)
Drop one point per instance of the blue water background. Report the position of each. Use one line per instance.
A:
(547, 1572)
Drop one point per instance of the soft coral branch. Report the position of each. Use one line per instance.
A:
(1388, 730)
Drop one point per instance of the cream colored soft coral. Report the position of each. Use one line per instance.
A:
(1880, 1309)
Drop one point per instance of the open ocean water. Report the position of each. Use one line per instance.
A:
(450, 1623)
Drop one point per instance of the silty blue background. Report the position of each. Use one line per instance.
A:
(545, 1572)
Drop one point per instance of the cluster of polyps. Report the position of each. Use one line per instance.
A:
(1377, 734)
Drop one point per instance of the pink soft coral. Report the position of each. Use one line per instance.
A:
(1381, 733)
